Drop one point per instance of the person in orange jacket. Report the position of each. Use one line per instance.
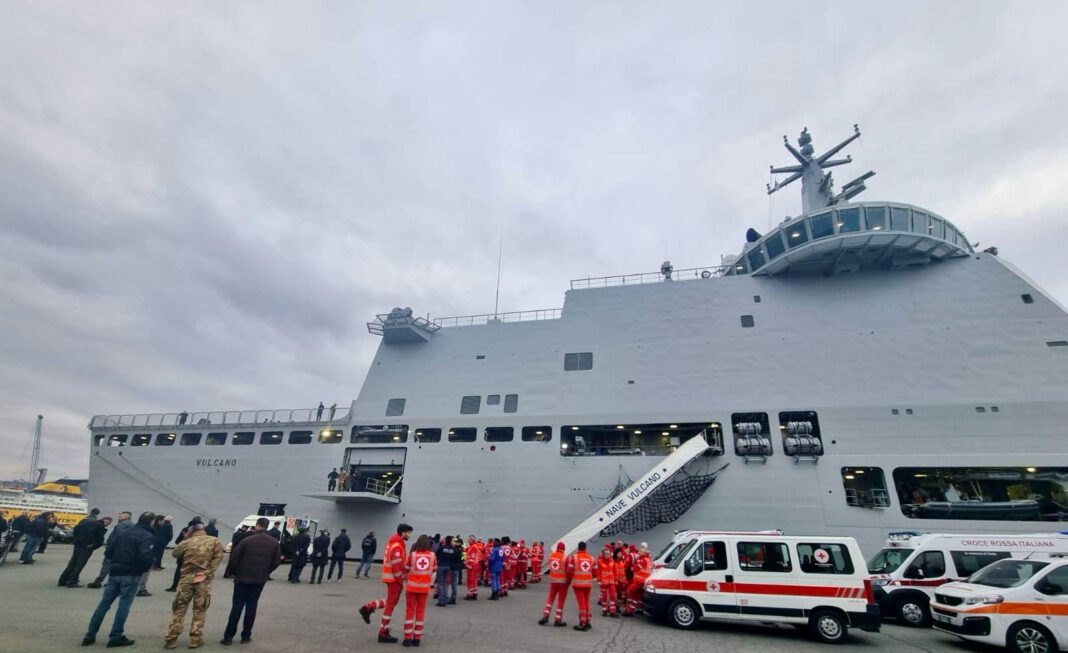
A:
(537, 556)
(622, 563)
(422, 565)
(580, 572)
(640, 569)
(472, 561)
(507, 579)
(605, 571)
(558, 583)
(522, 558)
(394, 573)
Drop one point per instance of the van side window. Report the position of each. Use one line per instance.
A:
(763, 556)
(1058, 577)
(714, 555)
(969, 562)
(929, 564)
(822, 558)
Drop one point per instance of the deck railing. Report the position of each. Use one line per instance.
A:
(285, 416)
(710, 272)
(488, 318)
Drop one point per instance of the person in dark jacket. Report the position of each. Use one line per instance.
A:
(19, 526)
(122, 523)
(338, 549)
(211, 529)
(447, 557)
(131, 554)
(37, 533)
(368, 548)
(164, 531)
(239, 535)
(299, 546)
(88, 537)
(251, 563)
(320, 549)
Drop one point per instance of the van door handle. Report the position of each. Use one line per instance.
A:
(729, 578)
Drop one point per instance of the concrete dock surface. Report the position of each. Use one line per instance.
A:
(36, 616)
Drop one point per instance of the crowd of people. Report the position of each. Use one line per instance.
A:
(434, 567)
(35, 530)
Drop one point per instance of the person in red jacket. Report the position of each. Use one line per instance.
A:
(422, 565)
(394, 572)
(641, 567)
(537, 556)
(605, 571)
(522, 557)
(472, 561)
(580, 572)
(622, 563)
(507, 578)
(557, 587)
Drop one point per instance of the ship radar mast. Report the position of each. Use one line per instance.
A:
(816, 186)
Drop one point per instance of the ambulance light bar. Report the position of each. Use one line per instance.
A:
(902, 536)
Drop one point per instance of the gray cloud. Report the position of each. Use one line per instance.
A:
(201, 205)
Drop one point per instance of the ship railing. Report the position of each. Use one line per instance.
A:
(376, 486)
(491, 318)
(285, 416)
(708, 272)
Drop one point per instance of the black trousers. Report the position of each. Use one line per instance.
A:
(296, 568)
(340, 564)
(246, 597)
(78, 557)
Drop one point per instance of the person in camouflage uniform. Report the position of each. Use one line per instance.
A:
(200, 554)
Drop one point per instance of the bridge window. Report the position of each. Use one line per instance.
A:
(796, 234)
(117, 440)
(493, 400)
(751, 435)
(899, 218)
(865, 487)
(300, 437)
(848, 220)
(537, 433)
(631, 439)
(756, 258)
(189, 439)
(875, 216)
(379, 434)
(395, 407)
(216, 439)
(244, 437)
(936, 227)
(470, 405)
(800, 433)
(462, 434)
(822, 225)
(511, 403)
(920, 223)
(773, 245)
(990, 493)
(427, 435)
(165, 439)
(140, 440)
(330, 436)
(499, 434)
(577, 362)
(271, 437)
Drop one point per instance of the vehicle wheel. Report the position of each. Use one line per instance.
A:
(684, 613)
(1029, 637)
(913, 611)
(828, 626)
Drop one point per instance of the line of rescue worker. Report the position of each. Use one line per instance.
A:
(619, 570)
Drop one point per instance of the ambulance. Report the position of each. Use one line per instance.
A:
(1019, 603)
(814, 583)
(913, 565)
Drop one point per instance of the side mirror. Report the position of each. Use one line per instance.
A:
(692, 567)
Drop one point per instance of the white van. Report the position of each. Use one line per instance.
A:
(818, 583)
(1021, 604)
(913, 564)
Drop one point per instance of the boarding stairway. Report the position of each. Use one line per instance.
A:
(656, 485)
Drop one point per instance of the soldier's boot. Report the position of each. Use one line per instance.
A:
(170, 643)
(196, 643)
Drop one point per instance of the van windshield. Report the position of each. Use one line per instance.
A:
(1007, 573)
(888, 560)
(674, 553)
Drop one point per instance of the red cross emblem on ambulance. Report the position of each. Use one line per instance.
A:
(821, 556)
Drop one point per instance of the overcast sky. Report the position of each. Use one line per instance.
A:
(202, 206)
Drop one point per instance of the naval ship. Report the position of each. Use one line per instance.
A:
(857, 370)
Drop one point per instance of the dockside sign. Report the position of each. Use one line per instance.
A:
(216, 462)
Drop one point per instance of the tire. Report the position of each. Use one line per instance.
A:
(1029, 637)
(828, 626)
(914, 611)
(684, 614)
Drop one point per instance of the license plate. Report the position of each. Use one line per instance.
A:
(943, 618)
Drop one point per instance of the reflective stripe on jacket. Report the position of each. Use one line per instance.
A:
(393, 561)
(557, 572)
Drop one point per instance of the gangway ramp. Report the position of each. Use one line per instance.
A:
(634, 495)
